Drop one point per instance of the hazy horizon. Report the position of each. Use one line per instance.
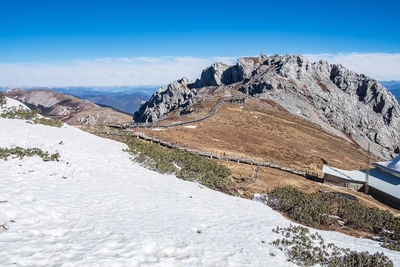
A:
(153, 72)
(138, 43)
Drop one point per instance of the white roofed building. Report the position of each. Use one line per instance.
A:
(383, 180)
(392, 166)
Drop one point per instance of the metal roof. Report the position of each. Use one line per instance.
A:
(391, 166)
(378, 179)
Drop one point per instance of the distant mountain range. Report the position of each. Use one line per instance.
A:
(123, 98)
(68, 108)
(394, 87)
(125, 102)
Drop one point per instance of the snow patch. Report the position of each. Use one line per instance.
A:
(262, 198)
(12, 103)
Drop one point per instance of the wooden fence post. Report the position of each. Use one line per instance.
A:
(256, 174)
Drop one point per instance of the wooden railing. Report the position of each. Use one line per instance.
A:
(226, 156)
(178, 123)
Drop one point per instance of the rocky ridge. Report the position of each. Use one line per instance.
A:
(350, 105)
(166, 99)
(67, 108)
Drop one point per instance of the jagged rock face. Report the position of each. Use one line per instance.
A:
(164, 100)
(215, 75)
(350, 105)
(244, 68)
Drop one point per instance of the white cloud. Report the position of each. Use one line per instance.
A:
(162, 70)
(380, 66)
(105, 71)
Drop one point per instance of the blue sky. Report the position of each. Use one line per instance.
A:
(62, 33)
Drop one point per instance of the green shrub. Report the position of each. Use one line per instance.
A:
(19, 152)
(49, 122)
(306, 249)
(31, 115)
(391, 244)
(185, 165)
(3, 99)
(20, 113)
(329, 209)
(299, 206)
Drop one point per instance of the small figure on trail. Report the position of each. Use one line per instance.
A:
(135, 132)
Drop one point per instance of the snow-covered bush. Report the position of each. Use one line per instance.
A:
(306, 249)
(48, 121)
(20, 113)
(31, 115)
(19, 152)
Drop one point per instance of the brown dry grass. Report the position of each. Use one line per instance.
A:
(273, 104)
(268, 134)
(254, 59)
(321, 84)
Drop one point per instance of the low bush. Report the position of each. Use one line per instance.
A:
(391, 244)
(20, 113)
(48, 122)
(19, 152)
(306, 249)
(3, 100)
(186, 165)
(334, 210)
(299, 206)
(31, 115)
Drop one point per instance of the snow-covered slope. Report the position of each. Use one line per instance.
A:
(97, 208)
(12, 103)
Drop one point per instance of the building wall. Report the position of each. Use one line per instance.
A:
(384, 198)
(356, 185)
(334, 180)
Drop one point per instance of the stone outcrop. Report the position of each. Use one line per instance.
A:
(244, 68)
(164, 100)
(215, 75)
(350, 105)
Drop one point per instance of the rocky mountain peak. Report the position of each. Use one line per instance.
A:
(164, 100)
(350, 105)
